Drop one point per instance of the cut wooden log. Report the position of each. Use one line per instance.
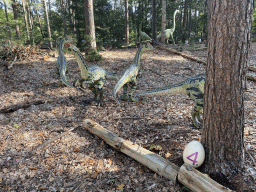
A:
(187, 175)
(182, 54)
(197, 181)
(153, 161)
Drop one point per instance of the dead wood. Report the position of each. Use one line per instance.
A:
(251, 78)
(11, 65)
(151, 160)
(182, 54)
(187, 175)
(197, 181)
(252, 68)
(21, 106)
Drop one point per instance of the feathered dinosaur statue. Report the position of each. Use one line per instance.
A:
(94, 76)
(130, 75)
(193, 87)
(61, 59)
(169, 32)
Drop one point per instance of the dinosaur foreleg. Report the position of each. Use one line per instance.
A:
(99, 91)
(133, 87)
(125, 88)
(173, 42)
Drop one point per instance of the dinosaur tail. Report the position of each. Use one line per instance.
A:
(168, 90)
(123, 80)
(111, 75)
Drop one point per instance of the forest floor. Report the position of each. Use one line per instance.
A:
(34, 112)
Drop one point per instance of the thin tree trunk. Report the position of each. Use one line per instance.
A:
(15, 15)
(89, 22)
(126, 22)
(25, 17)
(63, 14)
(71, 20)
(7, 19)
(163, 21)
(39, 20)
(154, 26)
(31, 22)
(185, 20)
(229, 29)
(47, 23)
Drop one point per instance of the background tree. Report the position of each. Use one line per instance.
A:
(154, 24)
(126, 22)
(163, 21)
(47, 23)
(15, 15)
(89, 22)
(229, 30)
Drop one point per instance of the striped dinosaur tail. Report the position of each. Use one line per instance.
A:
(123, 80)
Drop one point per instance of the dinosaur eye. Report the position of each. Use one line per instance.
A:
(69, 49)
(146, 46)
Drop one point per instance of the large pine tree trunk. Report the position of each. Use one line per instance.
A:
(126, 23)
(163, 21)
(229, 29)
(15, 16)
(47, 23)
(89, 22)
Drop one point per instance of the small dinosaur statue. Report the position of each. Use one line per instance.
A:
(94, 75)
(61, 59)
(193, 87)
(130, 74)
(169, 32)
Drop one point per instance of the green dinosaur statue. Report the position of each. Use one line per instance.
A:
(61, 59)
(193, 87)
(130, 74)
(94, 76)
(169, 32)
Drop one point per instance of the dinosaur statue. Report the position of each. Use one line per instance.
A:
(193, 87)
(144, 37)
(169, 32)
(61, 59)
(130, 74)
(94, 76)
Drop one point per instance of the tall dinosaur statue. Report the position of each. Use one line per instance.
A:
(61, 59)
(143, 37)
(94, 75)
(169, 32)
(130, 75)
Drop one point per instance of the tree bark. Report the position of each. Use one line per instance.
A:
(154, 26)
(229, 29)
(163, 21)
(126, 23)
(63, 14)
(25, 18)
(15, 16)
(89, 22)
(47, 23)
(7, 19)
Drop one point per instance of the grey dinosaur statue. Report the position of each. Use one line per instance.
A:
(130, 75)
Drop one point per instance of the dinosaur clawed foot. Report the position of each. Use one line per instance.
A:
(92, 101)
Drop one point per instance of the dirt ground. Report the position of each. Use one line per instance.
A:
(35, 115)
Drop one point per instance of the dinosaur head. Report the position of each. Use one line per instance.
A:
(65, 40)
(147, 47)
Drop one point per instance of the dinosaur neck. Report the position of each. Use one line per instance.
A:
(138, 56)
(61, 47)
(82, 64)
(174, 23)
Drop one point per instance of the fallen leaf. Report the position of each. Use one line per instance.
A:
(120, 187)
(94, 175)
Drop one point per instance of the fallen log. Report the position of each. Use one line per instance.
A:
(197, 181)
(187, 175)
(182, 54)
(251, 68)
